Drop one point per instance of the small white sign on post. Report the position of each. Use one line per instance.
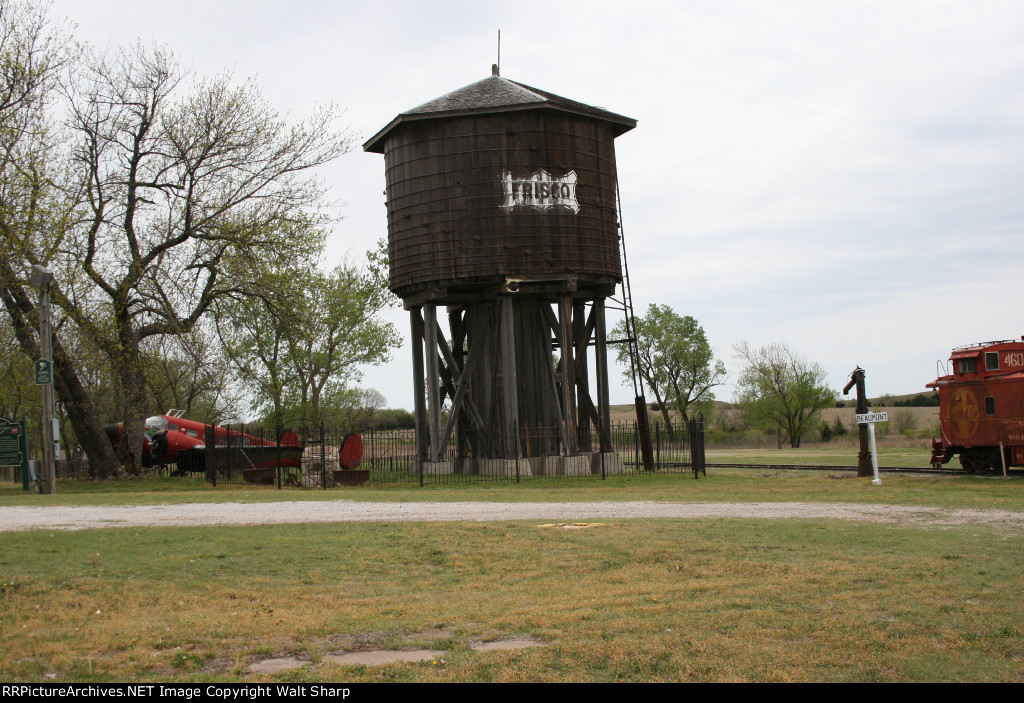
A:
(870, 419)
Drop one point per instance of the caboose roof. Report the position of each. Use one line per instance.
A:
(496, 94)
(975, 349)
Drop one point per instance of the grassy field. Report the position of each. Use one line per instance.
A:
(742, 485)
(656, 600)
(630, 600)
(842, 453)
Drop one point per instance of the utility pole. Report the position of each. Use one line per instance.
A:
(41, 278)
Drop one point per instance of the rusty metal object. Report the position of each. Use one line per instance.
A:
(864, 467)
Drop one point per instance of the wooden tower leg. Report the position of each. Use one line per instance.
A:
(419, 384)
(581, 339)
(603, 405)
(509, 389)
(568, 372)
(433, 380)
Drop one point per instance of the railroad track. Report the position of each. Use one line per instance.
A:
(823, 467)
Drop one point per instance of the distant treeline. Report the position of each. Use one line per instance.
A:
(921, 400)
(392, 420)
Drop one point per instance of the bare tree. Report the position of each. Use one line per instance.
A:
(181, 200)
(34, 55)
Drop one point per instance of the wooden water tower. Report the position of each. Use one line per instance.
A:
(501, 203)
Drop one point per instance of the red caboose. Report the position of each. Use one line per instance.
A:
(981, 407)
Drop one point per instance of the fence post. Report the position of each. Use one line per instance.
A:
(515, 442)
(636, 445)
(657, 445)
(230, 463)
(211, 454)
(23, 446)
(277, 433)
(323, 458)
(697, 457)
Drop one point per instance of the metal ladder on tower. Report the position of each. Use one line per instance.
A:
(643, 426)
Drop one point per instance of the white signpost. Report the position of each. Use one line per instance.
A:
(870, 419)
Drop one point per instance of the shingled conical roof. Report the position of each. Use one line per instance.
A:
(497, 94)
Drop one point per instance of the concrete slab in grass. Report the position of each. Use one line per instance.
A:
(377, 657)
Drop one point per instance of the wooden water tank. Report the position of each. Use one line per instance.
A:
(501, 206)
(499, 180)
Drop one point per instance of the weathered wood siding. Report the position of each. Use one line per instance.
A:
(446, 223)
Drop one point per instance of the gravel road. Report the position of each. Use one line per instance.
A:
(192, 514)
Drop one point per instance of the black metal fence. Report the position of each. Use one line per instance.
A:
(313, 457)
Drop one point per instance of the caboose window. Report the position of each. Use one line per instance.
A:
(991, 361)
(967, 365)
(990, 405)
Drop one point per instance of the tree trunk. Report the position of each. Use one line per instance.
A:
(133, 378)
(84, 420)
(663, 407)
(72, 394)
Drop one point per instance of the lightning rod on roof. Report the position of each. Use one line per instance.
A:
(497, 66)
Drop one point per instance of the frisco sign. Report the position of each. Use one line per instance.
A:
(540, 190)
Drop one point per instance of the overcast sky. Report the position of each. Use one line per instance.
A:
(845, 177)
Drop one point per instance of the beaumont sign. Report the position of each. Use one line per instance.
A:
(869, 418)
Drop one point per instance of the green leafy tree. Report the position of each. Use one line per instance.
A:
(303, 351)
(676, 362)
(780, 391)
(254, 333)
(339, 330)
(352, 408)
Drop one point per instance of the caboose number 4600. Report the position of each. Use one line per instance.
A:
(981, 407)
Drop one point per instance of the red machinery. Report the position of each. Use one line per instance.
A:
(981, 407)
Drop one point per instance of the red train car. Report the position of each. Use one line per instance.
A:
(981, 407)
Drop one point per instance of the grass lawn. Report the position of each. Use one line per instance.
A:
(632, 600)
(743, 485)
(629, 600)
(825, 454)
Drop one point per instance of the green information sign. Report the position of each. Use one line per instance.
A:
(44, 372)
(10, 443)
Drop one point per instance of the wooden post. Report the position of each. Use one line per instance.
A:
(510, 394)
(603, 404)
(422, 434)
(568, 372)
(581, 339)
(48, 470)
(455, 324)
(433, 380)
